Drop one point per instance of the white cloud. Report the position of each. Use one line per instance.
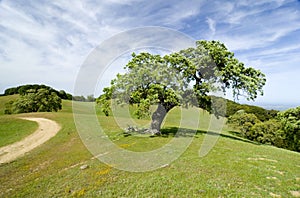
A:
(51, 39)
(254, 25)
(282, 50)
(212, 25)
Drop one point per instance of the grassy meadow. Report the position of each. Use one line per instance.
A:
(235, 167)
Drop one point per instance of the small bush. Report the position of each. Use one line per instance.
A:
(283, 132)
(290, 128)
(244, 122)
(266, 132)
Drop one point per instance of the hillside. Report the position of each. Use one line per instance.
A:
(235, 167)
(262, 114)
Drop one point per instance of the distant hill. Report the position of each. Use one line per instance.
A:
(280, 107)
(261, 113)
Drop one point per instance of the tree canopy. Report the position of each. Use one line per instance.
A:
(181, 78)
(22, 90)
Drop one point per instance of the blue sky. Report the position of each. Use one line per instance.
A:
(47, 41)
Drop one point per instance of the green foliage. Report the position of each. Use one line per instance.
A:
(89, 98)
(290, 130)
(283, 132)
(23, 89)
(143, 109)
(266, 133)
(253, 129)
(4, 100)
(105, 99)
(41, 100)
(165, 80)
(105, 107)
(9, 107)
(215, 68)
(79, 98)
(244, 122)
(220, 66)
(11, 91)
(63, 95)
(150, 79)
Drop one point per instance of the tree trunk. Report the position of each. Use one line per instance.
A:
(157, 119)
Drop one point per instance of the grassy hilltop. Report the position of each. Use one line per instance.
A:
(235, 167)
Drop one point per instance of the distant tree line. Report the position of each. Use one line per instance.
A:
(23, 89)
(89, 98)
(282, 131)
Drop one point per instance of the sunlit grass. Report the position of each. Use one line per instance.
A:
(233, 168)
(14, 129)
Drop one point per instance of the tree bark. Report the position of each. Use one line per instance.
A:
(157, 119)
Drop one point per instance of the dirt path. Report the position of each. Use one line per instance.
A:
(47, 129)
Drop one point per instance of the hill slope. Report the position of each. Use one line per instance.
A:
(234, 168)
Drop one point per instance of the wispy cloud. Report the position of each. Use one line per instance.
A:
(247, 25)
(212, 25)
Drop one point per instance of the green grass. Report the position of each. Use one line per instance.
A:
(4, 100)
(234, 167)
(14, 129)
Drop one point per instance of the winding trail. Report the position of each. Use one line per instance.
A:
(46, 130)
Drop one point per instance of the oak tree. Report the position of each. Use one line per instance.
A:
(183, 78)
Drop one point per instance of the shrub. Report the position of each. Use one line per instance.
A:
(244, 122)
(266, 132)
(290, 128)
(41, 100)
(283, 132)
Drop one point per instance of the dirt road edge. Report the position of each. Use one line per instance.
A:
(46, 130)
